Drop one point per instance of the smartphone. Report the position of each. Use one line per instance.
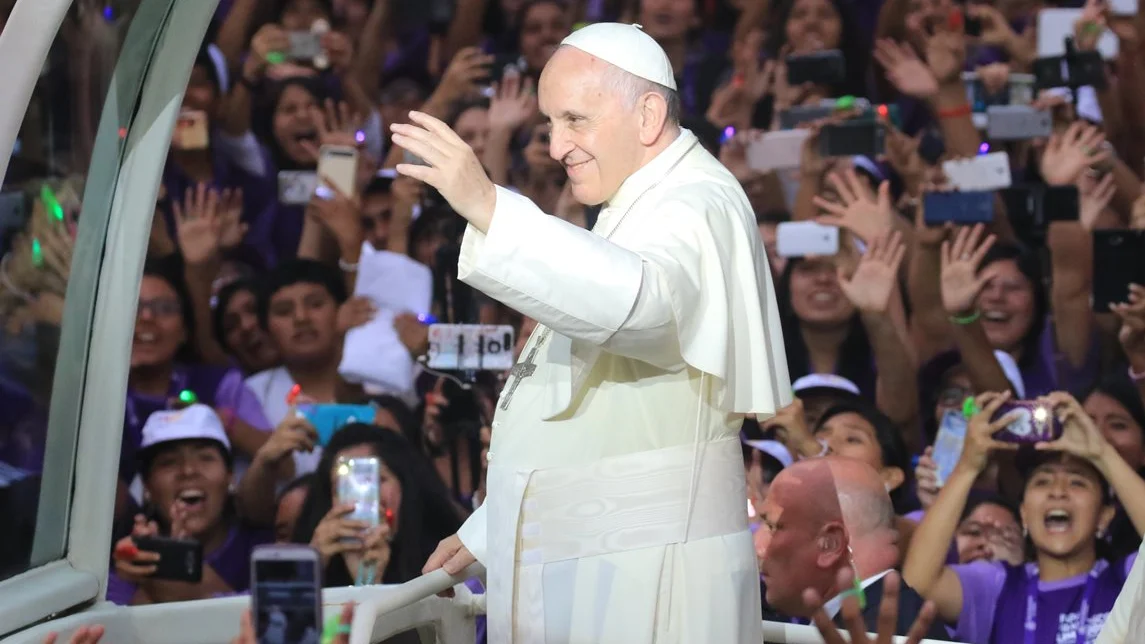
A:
(286, 593)
(1036, 423)
(776, 150)
(471, 347)
(972, 26)
(296, 187)
(13, 210)
(980, 173)
(339, 164)
(948, 444)
(1017, 123)
(821, 68)
(179, 559)
(804, 238)
(853, 138)
(358, 485)
(191, 131)
(1060, 203)
(329, 418)
(931, 147)
(958, 207)
(1118, 261)
(801, 115)
(305, 45)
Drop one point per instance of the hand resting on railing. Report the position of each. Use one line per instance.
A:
(852, 617)
(248, 636)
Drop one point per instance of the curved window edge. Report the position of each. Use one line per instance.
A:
(42, 592)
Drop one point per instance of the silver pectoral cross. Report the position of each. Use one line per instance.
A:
(523, 369)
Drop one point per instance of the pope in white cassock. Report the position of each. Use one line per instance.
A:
(615, 508)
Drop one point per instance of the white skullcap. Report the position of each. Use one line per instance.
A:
(627, 47)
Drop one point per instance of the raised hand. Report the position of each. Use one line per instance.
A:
(1095, 196)
(926, 476)
(355, 312)
(1080, 435)
(131, 563)
(946, 55)
(337, 534)
(452, 167)
(961, 281)
(292, 435)
(1090, 25)
(464, 74)
(513, 104)
(859, 210)
(996, 30)
(905, 70)
(199, 225)
(980, 430)
(1067, 155)
(341, 214)
(269, 42)
(853, 618)
(1131, 335)
(413, 334)
(339, 51)
(336, 124)
(875, 279)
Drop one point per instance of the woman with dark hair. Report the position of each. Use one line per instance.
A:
(419, 510)
(1070, 586)
(236, 328)
(162, 369)
(1116, 408)
(858, 430)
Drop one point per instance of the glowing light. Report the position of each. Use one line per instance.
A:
(1041, 414)
(188, 397)
(984, 148)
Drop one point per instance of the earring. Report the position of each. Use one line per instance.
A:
(1025, 531)
(1101, 533)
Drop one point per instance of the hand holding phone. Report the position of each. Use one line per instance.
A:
(1032, 422)
(806, 238)
(338, 164)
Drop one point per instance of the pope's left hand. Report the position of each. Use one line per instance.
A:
(452, 167)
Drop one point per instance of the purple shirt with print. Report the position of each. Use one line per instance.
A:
(994, 599)
(231, 561)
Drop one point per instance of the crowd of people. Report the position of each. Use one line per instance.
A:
(254, 302)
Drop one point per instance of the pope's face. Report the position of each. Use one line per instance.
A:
(595, 134)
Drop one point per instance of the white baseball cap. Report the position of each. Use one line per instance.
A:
(775, 449)
(196, 422)
(824, 381)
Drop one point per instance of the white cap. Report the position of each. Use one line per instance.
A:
(196, 422)
(824, 381)
(775, 449)
(627, 47)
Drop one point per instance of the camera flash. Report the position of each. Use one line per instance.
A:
(1041, 414)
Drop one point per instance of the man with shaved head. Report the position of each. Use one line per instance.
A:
(824, 515)
(615, 506)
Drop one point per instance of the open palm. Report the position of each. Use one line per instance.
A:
(961, 281)
(1067, 155)
(198, 225)
(909, 74)
(858, 209)
(870, 287)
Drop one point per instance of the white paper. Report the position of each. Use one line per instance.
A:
(394, 281)
(1055, 25)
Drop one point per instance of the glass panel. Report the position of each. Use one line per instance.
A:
(40, 202)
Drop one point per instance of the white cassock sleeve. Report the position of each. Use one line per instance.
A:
(474, 534)
(582, 285)
(1128, 614)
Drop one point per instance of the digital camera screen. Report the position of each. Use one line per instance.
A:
(287, 602)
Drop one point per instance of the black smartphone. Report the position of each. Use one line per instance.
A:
(503, 63)
(973, 26)
(821, 68)
(931, 147)
(958, 207)
(1060, 203)
(179, 559)
(1035, 423)
(853, 138)
(1118, 261)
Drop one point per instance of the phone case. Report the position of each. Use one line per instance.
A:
(958, 207)
(1036, 423)
(782, 149)
(822, 68)
(358, 484)
(1017, 123)
(803, 238)
(179, 559)
(948, 444)
(305, 45)
(329, 418)
(980, 173)
(853, 138)
(339, 164)
(1118, 261)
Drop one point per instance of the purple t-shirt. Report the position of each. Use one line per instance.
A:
(231, 561)
(994, 602)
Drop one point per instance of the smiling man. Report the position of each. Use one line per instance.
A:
(615, 506)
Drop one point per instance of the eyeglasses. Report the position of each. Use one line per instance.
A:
(160, 308)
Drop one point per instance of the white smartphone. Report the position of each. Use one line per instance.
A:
(1123, 7)
(286, 593)
(778, 150)
(980, 173)
(339, 164)
(804, 238)
(358, 484)
(471, 347)
(296, 187)
(1055, 25)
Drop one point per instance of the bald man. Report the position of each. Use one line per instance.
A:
(823, 515)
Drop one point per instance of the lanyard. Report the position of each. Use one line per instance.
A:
(1032, 592)
(178, 383)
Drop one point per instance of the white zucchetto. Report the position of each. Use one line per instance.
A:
(627, 47)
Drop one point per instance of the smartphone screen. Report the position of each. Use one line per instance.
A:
(358, 482)
(339, 164)
(1035, 423)
(853, 138)
(958, 207)
(1118, 261)
(287, 595)
(821, 68)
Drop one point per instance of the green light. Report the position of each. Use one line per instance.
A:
(276, 58)
(845, 103)
(188, 397)
(37, 254)
(51, 203)
(969, 407)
